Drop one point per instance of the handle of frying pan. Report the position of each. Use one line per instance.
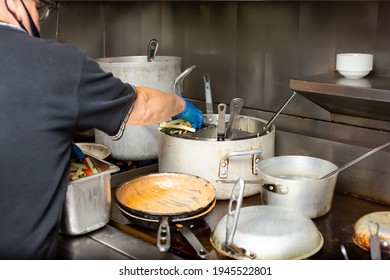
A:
(232, 216)
(191, 238)
(164, 235)
(375, 249)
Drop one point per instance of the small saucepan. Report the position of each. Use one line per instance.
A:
(164, 200)
(303, 183)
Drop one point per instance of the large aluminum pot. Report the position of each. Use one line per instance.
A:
(219, 162)
(139, 142)
(293, 182)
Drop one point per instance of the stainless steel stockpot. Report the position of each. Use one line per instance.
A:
(220, 162)
(139, 142)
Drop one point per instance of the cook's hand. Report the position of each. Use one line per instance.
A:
(192, 115)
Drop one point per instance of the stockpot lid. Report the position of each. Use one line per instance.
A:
(271, 233)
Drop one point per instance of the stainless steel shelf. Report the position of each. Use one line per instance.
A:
(368, 97)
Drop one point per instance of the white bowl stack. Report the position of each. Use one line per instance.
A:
(354, 65)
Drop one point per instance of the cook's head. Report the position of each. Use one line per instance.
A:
(26, 13)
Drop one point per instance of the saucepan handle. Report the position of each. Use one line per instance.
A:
(224, 161)
(232, 216)
(164, 235)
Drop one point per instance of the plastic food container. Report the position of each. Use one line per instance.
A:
(87, 204)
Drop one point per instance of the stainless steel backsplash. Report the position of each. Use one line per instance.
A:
(251, 49)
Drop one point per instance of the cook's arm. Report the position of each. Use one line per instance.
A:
(153, 106)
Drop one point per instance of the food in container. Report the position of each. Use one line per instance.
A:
(87, 205)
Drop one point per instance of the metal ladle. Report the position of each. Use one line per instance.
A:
(355, 161)
(270, 122)
(235, 109)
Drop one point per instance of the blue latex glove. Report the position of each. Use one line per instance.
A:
(191, 114)
(77, 152)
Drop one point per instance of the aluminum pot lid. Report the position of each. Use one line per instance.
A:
(270, 233)
(361, 235)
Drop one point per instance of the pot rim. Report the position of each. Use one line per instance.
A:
(277, 163)
(138, 60)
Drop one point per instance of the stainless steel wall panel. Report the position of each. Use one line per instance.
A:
(382, 47)
(124, 29)
(356, 33)
(82, 24)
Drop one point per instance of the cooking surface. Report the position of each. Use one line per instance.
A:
(336, 228)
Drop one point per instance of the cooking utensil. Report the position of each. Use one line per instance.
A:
(375, 249)
(271, 121)
(235, 109)
(152, 50)
(344, 252)
(292, 181)
(160, 199)
(178, 84)
(266, 232)
(362, 231)
(191, 238)
(221, 122)
(355, 161)
(209, 99)
(232, 219)
(202, 157)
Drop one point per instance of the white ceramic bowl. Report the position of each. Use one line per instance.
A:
(98, 150)
(354, 65)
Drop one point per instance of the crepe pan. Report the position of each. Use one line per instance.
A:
(165, 200)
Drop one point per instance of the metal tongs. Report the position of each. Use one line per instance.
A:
(232, 220)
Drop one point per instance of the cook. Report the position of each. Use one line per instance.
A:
(49, 92)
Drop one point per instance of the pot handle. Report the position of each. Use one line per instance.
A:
(232, 220)
(224, 161)
(164, 235)
(232, 217)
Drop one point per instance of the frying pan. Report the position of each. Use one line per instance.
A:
(164, 200)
